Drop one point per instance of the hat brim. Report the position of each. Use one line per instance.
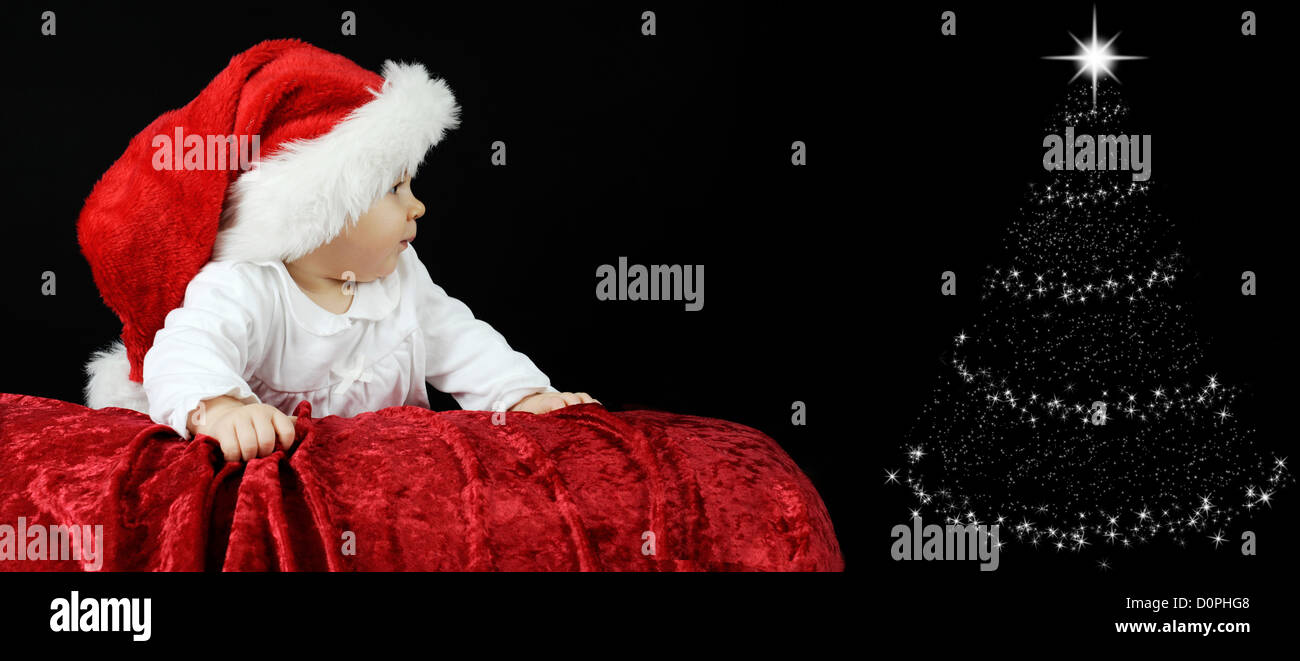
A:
(303, 195)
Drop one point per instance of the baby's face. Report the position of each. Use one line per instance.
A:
(369, 248)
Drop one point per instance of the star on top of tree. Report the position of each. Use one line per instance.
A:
(1094, 57)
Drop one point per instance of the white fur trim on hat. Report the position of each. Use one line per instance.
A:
(302, 196)
(110, 383)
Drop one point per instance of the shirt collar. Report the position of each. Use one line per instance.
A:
(371, 300)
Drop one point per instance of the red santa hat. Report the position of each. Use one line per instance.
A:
(332, 138)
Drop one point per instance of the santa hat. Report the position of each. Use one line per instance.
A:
(332, 138)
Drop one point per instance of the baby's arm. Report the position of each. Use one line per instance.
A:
(470, 360)
(193, 372)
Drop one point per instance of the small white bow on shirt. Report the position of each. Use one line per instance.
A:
(352, 373)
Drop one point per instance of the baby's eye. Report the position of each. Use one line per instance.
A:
(393, 190)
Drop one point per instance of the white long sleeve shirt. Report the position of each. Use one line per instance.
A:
(247, 331)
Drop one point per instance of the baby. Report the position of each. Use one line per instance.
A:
(312, 290)
(401, 315)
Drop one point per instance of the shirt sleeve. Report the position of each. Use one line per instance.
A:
(205, 346)
(468, 359)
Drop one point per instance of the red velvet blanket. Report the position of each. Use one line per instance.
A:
(409, 489)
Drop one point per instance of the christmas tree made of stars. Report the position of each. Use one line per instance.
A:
(1077, 411)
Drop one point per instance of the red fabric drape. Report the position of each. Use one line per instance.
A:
(408, 489)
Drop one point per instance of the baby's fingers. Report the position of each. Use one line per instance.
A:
(247, 436)
(284, 428)
(229, 443)
(264, 425)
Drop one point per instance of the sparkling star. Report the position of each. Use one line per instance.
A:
(1094, 57)
(1218, 539)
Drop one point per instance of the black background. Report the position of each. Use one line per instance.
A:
(821, 282)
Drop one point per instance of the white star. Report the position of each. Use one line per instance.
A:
(1218, 539)
(1094, 57)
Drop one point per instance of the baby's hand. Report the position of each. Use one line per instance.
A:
(544, 402)
(250, 431)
